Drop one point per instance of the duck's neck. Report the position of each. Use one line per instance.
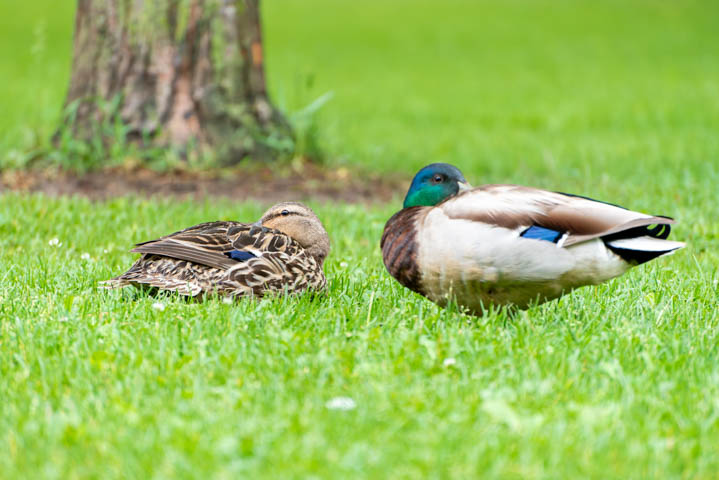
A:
(427, 196)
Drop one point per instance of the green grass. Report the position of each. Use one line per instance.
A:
(616, 100)
(615, 381)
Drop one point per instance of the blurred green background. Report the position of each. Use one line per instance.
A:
(520, 90)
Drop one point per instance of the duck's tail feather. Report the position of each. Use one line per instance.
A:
(644, 248)
(116, 282)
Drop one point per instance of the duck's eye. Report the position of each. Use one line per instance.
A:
(438, 178)
(284, 213)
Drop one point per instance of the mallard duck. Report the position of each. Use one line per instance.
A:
(511, 245)
(283, 252)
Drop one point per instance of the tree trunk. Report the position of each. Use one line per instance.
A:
(181, 73)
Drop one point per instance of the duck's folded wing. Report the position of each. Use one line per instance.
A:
(192, 253)
(206, 244)
(209, 235)
(576, 218)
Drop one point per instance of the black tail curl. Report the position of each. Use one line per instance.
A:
(660, 231)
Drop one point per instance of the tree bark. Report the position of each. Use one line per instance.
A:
(182, 73)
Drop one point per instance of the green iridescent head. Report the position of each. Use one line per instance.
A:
(433, 184)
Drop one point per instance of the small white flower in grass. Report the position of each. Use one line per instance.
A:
(159, 306)
(341, 403)
(227, 301)
(448, 362)
(85, 256)
(344, 264)
(55, 242)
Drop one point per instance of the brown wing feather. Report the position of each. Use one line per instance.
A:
(191, 253)
(630, 225)
(203, 244)
(515, 207)
(209, 235)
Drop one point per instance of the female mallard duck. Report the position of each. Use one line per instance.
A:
(511, 245)
(283, 251)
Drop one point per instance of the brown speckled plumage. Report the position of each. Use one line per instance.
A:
(196, 261)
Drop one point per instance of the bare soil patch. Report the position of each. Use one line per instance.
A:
(263, 184)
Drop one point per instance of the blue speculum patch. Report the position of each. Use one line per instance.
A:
(536, 232)
(240, 255)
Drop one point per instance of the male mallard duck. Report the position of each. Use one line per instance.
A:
(511, 245)
(283, 251)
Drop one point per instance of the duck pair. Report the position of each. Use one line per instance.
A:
(483, 246)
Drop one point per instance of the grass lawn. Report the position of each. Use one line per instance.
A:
(617, 101)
